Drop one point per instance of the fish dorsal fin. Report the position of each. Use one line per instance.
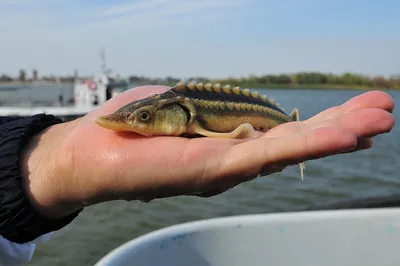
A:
(295, 114)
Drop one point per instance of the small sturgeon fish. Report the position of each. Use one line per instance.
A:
(195, 109)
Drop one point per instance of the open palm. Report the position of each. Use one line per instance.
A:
(128, 166)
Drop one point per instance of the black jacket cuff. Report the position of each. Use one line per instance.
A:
(19, 222)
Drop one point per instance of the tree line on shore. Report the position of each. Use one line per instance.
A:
(300, 79)
(304, 79)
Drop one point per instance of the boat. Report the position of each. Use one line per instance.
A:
(88, 95)
(366, 237)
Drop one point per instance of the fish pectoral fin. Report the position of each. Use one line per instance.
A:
(242, 131)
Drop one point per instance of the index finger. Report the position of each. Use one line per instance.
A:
(372, 99)
(262, 154)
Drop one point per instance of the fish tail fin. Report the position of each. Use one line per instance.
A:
(296, 117)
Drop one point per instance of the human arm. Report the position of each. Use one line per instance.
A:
(6, 119)
(95, 165)
(18, 221)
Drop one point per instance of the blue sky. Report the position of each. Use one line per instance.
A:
(214, 38)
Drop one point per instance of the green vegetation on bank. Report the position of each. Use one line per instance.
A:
(313, 80)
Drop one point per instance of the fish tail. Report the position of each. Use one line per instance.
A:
(296, 117)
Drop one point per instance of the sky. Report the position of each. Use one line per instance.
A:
(212, 38)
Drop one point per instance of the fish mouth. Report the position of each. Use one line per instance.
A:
(113, 122)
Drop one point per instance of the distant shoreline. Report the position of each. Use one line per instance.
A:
(301, 86)
(36, 82)
(299, 80)
(323, 87)
(240, 84)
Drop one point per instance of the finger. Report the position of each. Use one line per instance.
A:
(166, 193)
(372, 99)
(362, 144)
(363, 122)
(229, 183)
(213, 192)
(255, 154)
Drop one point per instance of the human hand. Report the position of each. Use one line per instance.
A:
(87, 164)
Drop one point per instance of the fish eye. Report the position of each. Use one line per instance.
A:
(144, 115)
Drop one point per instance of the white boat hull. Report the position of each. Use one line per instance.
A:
(368, 237)
(60, 111)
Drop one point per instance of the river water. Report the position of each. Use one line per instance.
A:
(101, 228)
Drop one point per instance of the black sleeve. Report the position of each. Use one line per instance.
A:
(19, 222)
(5, 119)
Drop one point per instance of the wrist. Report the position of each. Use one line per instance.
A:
(42, 167)
(24, 189)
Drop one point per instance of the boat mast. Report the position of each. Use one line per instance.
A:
(104, 70)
